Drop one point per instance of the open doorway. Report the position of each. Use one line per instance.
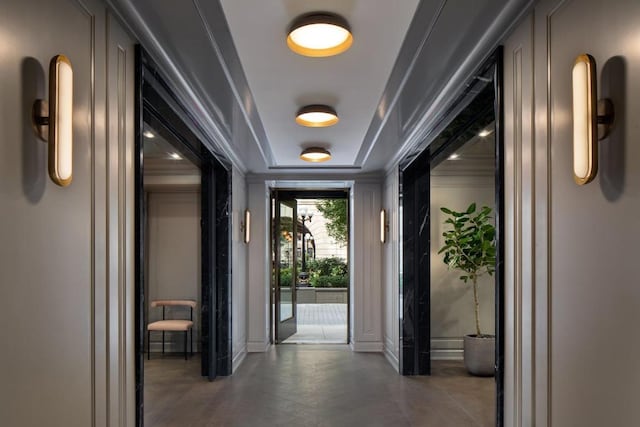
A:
(310, 267)
(183, 253)
(452, 313)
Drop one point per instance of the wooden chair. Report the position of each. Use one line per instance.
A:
(172, 325)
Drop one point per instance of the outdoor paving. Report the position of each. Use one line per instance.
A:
(320, 324)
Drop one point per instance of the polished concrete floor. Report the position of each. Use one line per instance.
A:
(312, 385)
(320, 324)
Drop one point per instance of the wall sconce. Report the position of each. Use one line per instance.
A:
(384, 227)
(245, 226)
(53, 120)
(592, 119)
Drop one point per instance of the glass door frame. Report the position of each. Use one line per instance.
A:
(284, 328)
(298, 193)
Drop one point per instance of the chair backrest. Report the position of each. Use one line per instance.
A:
(173, 303)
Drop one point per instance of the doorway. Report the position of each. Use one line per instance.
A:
(310, 267)
(460, 169)
(182, 239)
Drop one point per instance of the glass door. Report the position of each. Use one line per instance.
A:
(285, 269)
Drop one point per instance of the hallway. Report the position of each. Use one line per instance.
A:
(302, 385)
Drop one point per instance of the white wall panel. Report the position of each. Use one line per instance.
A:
(239, 252)
(366, 268)
(258, 283)
(391, 271)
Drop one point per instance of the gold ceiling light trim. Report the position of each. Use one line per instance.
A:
(315, 155)
(317, 116)
(319, 34)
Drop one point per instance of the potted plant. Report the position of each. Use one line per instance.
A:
(469, 246)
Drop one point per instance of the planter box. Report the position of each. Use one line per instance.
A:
(321, 295)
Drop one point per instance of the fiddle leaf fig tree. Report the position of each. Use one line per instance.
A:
(470, 246)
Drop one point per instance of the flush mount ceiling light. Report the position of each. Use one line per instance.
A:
(175, 156)
(148, 134)
(454, 156)
(315, 155)
(484, 132)
(319, 34)
(53, 120)
(317, 116)
(592, 119)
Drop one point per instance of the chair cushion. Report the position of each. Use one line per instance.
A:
(170, 325)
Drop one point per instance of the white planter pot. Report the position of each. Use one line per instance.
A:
(480, 355)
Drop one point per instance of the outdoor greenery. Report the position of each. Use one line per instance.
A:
(470, 246)
(285, 276)
(328, 273)
(335, 212)
(330, 282)
(323, 273)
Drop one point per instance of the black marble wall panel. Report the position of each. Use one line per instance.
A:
(415, 334)
(208, 296)
(223, 269)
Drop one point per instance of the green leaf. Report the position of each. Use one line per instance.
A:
(447, 211)
(471, 209)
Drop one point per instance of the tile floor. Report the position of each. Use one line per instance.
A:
(319, 385)
(320, 324)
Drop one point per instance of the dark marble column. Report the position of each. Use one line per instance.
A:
(223, 269)
(415, 334)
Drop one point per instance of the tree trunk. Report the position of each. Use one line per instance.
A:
(475, 299)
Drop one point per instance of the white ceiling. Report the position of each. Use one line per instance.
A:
(282, 81)
(228, 63)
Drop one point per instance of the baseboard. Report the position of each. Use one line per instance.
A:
(238, 359)
(365, 346)
(447, 354)
(392, 358)
(258, 346)
(447, 348)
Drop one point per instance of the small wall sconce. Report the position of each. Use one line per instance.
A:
(384, 226)
(245, 226)
(592, 119)
(53, 120)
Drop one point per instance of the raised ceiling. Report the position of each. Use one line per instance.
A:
(282, 81)
(228, 63)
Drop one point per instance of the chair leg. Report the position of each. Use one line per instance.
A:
(191, 333)
(185, 345)
(162, 342)
(148, 345)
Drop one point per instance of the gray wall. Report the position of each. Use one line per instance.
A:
(452, 306)
(572, 285)
(173, 260)
(65, 263)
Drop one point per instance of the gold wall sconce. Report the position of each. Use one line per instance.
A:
(245, 226)
(53, 120)
(592, 119)
(384, 226)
